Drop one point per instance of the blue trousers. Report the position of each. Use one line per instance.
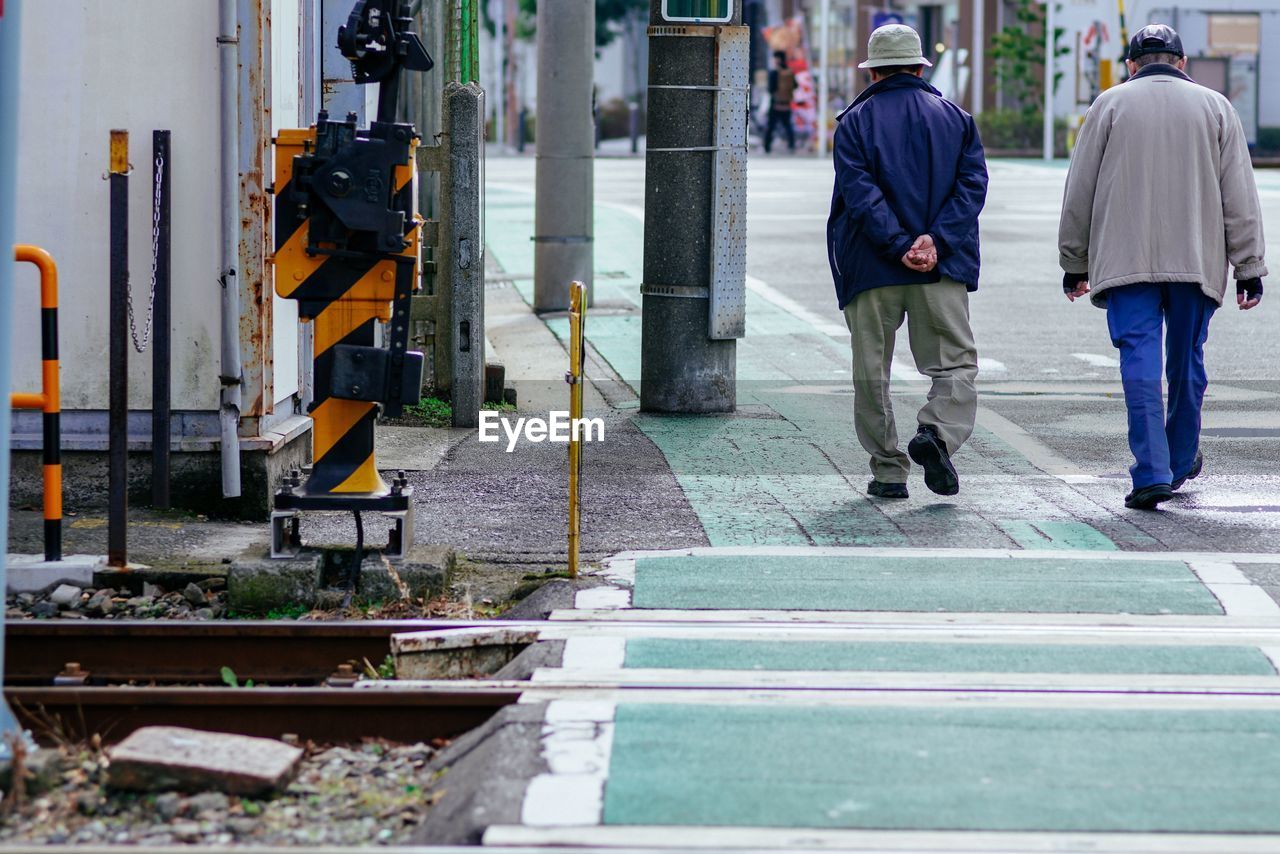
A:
(1164, 445)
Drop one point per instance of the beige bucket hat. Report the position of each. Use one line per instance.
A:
(894, 44)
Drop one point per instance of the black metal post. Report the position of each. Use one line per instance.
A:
(161, 343)
(521, 129)
(118, 369)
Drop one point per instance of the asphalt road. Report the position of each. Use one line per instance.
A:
(1049, 383)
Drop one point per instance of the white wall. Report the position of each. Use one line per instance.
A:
(89, 66)
(93, 65)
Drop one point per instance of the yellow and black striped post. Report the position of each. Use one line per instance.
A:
(49, 401)
(343, 297)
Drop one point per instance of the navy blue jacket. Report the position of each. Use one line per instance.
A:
(908, 162)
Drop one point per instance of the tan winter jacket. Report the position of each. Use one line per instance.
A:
(1161, 189)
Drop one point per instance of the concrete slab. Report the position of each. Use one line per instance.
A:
(257, 584)
(160, 757)
(30, 573)
(457, 653)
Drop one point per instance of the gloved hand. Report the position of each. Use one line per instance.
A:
(1248, 292)
(1075, 285)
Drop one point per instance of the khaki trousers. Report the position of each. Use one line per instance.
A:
(942, 345)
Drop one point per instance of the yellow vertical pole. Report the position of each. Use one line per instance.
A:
(577, 341)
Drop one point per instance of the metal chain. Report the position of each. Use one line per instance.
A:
(141, 347)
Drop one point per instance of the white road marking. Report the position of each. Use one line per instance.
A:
(991, 366)
(986, 554)
(1036, 452)
(821, 698)
(916, 841)
(785, 217)
(1238, 596)
(1097, 360)
(577, 739)
(883, 680)
(594, 654)
(812, 319)
(611, 598)
(916, 619)
(941, 633)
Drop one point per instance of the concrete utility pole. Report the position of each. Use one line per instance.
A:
(695, 213)
(565, 138)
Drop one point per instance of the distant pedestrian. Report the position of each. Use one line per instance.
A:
(782, 88)
(1159, 197)
(902, 240)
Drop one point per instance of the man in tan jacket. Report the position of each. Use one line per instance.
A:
(1160, 197)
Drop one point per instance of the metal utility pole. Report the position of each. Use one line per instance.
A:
(695, 207)
(565, 138)
(9, 43)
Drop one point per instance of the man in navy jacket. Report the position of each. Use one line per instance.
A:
(902, 240)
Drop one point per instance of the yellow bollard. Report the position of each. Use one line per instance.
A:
(577, 347)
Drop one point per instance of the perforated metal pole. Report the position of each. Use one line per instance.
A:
(564, 139)
(695, 214)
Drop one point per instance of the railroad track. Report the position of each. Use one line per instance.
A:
(170, 672)
(159, 651)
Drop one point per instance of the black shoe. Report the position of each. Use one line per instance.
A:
(1148, 497)
(1196, 466)
(880, 489)
(929, 452)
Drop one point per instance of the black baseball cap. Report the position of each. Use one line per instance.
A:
(1155, 38)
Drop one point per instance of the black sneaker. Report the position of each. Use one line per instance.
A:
(881, 489)
(1196, 467)
(929, 452)
(1148, 497)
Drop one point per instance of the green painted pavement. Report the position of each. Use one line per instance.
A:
(944, 657)
(936, 769)
(795, 475)
(857, 583)
(1056, 534)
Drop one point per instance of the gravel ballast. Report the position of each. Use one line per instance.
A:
(369, 794)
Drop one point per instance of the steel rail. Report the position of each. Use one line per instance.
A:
(322, 715)
(266, 651)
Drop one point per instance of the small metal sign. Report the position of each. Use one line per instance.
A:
(698, 11)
